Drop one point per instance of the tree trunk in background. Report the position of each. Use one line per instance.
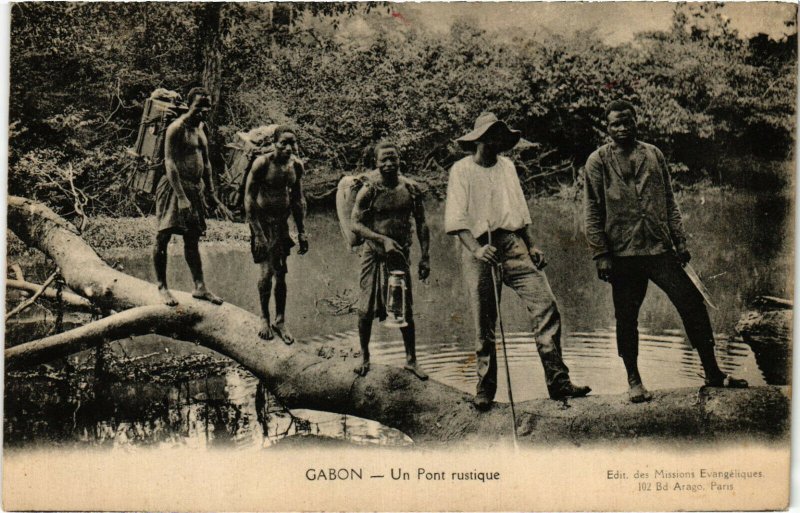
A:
(319, 374)
(210, 19)
(210, 15)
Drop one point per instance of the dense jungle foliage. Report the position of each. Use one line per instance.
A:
(720, 106)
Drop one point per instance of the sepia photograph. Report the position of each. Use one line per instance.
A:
(379, 256)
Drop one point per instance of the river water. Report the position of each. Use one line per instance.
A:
(740, 246)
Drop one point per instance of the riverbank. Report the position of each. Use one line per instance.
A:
(110, 234)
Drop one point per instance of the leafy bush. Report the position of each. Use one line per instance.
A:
(80, 73)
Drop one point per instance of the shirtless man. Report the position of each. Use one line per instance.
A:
(382, 216)
(179, 195)
(272, 192)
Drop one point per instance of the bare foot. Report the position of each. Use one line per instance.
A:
(362, 369)
(280, 329)
(415, 370)
(203, 294)
(266, 331)
(167, 297)
(639, 394)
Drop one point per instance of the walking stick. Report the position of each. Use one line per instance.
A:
(505, 353)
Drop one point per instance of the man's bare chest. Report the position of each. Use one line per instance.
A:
(190, 140)
(393, 202)
(279, 177)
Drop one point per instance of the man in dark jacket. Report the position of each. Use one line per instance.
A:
(635, 234)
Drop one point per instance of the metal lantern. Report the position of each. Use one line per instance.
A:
(396, 300)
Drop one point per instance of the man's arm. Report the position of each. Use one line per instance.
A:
(251, 207)
(536, 254)
(485, 253)
(207, 173)
(358, 216)
(298, 205)
(674, 218)
(208, 176)
(172, 150)
(456, 220)
(595, 215)
(423, 234)
(595, 208)
(526, 234)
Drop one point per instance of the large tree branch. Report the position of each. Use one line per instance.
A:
(68, 298)
(160, 319)
(319, 375)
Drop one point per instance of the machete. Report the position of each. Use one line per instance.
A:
(698, 284)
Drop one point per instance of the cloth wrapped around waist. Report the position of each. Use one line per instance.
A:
(375, 269)
(278, 242)
(171, 218)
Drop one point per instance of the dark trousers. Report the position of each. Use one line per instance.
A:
(629, 279)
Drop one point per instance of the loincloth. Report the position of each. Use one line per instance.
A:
(373, 284)
(170, 218)
(279, 243)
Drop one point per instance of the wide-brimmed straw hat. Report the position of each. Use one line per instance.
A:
(487, 121)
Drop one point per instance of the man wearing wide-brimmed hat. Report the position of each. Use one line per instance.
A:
(485, 199)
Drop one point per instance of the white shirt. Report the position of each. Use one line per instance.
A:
(480, 198)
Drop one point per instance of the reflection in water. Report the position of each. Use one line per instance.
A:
(227, 408)
(232, 408)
